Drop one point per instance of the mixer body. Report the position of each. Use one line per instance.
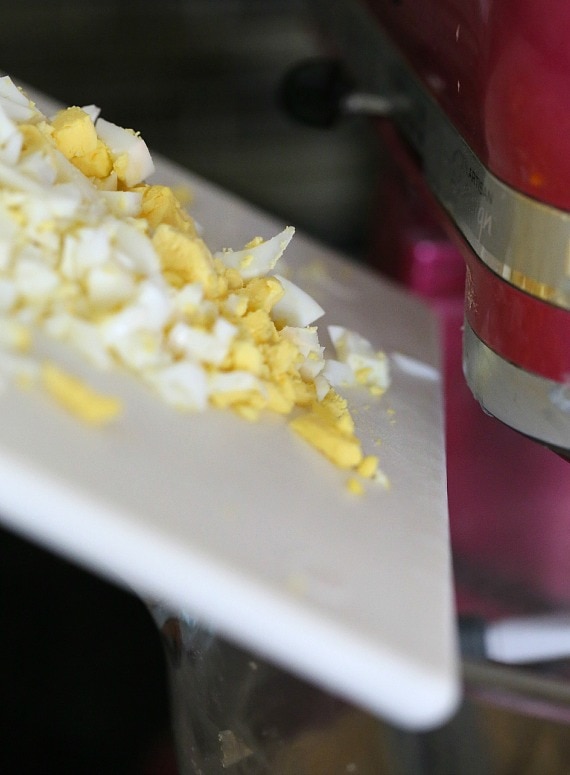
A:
(485, 116)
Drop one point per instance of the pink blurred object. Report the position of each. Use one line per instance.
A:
(509, 497)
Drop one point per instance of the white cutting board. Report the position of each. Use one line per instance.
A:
(247, 527)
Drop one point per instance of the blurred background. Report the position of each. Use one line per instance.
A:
(199, 79)
(82, 684)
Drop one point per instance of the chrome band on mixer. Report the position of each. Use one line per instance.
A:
(507, 392)
(510, 232)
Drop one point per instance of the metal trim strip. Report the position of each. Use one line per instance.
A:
(533, 405)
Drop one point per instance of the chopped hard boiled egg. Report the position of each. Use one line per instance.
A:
(95, 257)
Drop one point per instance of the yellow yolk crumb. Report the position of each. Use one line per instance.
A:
(279, 399)
(77, 397)
(96, 163)
(233, 277)
(74, 132)
(304, 392)
(16, 336)
(260, 326)
(337, 407)
(355, 486)
(75, 136)
(184, 259)
(245, 356)
(343, 449)
(363, 375)
(161, 205)
(280, 357)
(368, 467)
(253, 243)
(120, 166)
(247, 403)
(262, 293)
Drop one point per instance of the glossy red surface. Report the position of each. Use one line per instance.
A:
(501, 71)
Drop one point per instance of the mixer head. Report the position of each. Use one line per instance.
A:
(509, 215)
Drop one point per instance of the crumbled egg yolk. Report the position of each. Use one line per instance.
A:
(355, 486)
(96, 257)
(80, 399)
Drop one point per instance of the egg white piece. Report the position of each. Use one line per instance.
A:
(39, 166)
(149, 311)
(11, 149)
(238, 381)
(369, 366)
(296, 307)
(306, 340)
(92, 204)
(123, 203)
(34, 281)
(8, 128)
(109, 286)
(123, 141)
(83, 336)
(203, 346)
(338, 374)
(8, 231)
(93, 111)
(14, 102)
(183, 385)
(260, 259)
(8, 294)
(141, 350)
(322, 386)
(14, 179)
(83, 250)
(188, 298)
(135, 250)
(11, 140)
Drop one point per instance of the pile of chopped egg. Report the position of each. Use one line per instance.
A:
(97, 258)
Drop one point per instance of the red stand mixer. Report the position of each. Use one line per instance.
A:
(473, 214)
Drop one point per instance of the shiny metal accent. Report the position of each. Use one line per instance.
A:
(359, 103)
(524, 241)
(533, 405)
